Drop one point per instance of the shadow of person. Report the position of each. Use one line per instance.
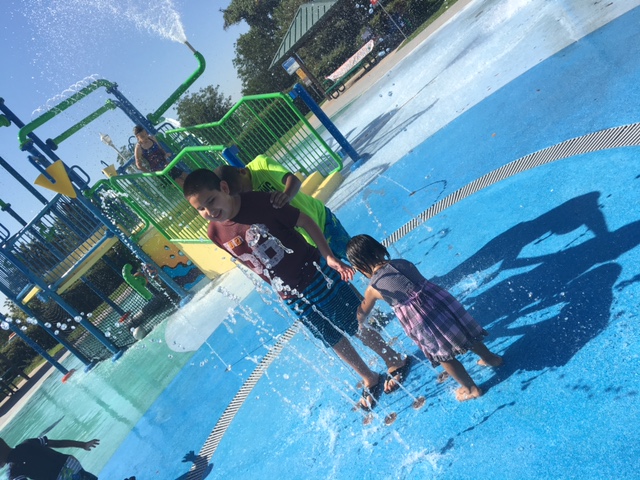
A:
(563, 299)
(506, 247)
(200, 470)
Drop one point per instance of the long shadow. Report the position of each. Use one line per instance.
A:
(564, 298)
(200, 469)
(370, 139)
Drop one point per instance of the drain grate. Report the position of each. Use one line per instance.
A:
(624, 136)
(206, 453)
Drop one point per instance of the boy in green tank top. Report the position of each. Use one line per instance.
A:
(264, 174)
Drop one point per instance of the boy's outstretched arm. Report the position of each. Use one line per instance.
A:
(73, 444)
(312, 228)
(291, 188)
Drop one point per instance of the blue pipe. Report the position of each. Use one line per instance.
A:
(299, 91)
(23, 182)
(58, 339)
(14, 118)
(38, 349)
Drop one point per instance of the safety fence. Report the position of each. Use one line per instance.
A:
(61, 252)
(157, 197)
(269, 125)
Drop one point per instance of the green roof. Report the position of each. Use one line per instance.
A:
(307, 17)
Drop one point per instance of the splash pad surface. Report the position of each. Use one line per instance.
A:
(546, 260)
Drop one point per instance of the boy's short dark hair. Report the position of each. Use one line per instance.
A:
(198, 180)
(231, 175)
(138, 129)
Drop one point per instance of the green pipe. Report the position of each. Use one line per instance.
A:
(154, 117)
(109, 105)
(4, 121)
(44, 118)
(203, 126)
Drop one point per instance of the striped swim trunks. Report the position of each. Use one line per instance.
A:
(327, 306)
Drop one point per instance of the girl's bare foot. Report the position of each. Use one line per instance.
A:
(494, 361)
(463, 393)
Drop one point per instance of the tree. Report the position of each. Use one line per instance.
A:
(205, 106)
(254, 52)
(269, 21)
(257, 13)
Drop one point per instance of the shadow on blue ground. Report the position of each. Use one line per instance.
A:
(202, 468)
(576, 283)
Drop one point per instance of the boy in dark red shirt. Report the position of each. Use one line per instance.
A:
(311, 281)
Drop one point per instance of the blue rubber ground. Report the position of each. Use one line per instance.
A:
(546, 260)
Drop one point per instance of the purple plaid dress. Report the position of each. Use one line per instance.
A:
(430, 316)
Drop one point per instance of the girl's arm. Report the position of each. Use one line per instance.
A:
(312, 228)
(371, 295)
(73, 444)
(138, 155)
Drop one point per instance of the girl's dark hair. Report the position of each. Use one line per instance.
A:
(138, 129)
(365, 252)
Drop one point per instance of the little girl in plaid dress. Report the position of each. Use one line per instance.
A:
(430, 316)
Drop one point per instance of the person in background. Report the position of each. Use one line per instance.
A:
(36, 459)
(151, 157)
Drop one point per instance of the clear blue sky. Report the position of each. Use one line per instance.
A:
(48, 46)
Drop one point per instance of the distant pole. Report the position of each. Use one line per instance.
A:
(299, 90)
(106, 139)
(375, 3)
(6, 207)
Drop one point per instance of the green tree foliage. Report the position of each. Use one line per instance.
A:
(254, 52)
(339, 37)
(256, 13)
(205, 106)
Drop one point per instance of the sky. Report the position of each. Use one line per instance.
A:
(51, 48)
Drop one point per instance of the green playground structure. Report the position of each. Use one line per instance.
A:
(134, 208)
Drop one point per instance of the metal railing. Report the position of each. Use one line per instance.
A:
(269, 125)
(158, 199)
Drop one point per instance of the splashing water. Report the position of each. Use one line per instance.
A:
(71, 37)
(159, 17)
(71, 90)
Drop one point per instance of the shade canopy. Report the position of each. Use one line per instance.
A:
(308, 18)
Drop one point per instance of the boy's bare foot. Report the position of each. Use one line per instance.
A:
(494, 361)
(463, 393)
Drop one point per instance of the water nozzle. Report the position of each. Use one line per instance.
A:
(190, 47)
